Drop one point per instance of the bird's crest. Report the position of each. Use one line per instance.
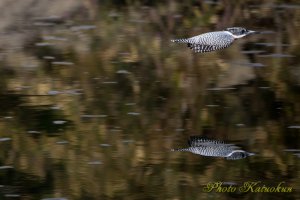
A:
(237, 30)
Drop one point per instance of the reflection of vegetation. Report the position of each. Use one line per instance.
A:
(28, 186)
(33, 118)
(8, 103)
(142, 96)
(42, 119)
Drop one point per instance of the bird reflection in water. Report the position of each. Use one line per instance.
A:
(215, 148)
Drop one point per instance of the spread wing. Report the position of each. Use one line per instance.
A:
(196, 141)
(201, 48)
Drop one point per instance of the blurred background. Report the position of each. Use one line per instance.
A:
(93, 97)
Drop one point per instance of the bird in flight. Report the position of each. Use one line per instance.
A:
(216, 40)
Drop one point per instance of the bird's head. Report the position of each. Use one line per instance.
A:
(238, 154)
(239, 32)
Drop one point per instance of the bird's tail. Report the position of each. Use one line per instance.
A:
(180, 40)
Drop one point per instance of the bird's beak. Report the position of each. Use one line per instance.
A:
(251, 154)
(253, 32)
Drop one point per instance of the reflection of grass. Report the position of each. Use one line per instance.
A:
(24, 184)
(42, 119)
(8, 103)
(34, 118)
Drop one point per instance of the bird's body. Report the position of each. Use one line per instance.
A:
(214, 148)
(216, 40)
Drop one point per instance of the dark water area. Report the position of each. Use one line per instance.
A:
(94, 97)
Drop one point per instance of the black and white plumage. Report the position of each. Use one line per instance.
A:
(215, 148)
(216, 40)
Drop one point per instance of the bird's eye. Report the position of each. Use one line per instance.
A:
(243, 31)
